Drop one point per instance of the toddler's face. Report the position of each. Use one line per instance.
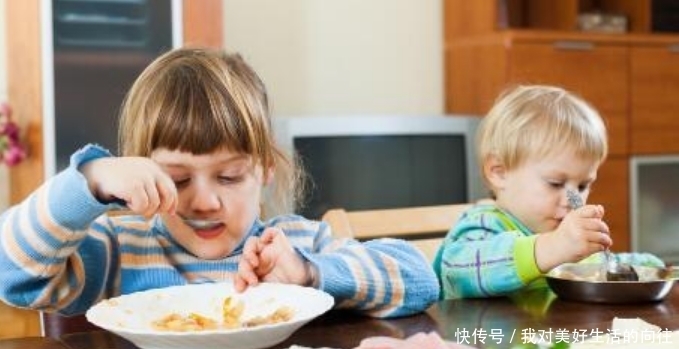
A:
(535, 192)
(223, 186)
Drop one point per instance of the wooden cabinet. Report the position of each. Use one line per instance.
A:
(577, 66)
(654, 91)
(631, 78)
(594, 67)
(488, 16)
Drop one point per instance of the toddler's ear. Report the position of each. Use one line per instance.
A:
(494, 170)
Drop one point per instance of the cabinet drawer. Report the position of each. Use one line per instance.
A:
(597, 72)
(654, 103)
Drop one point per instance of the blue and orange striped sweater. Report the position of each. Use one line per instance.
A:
(59, 251)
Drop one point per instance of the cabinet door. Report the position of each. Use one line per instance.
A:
(654, 103)
(611, 190)
(595, 71)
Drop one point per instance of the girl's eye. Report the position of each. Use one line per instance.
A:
(230, 179)
(180, 183)
(583, 187)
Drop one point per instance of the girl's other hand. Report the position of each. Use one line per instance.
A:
(581, 233)
(271, 258)
(138, 181)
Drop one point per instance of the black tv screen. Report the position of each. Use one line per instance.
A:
(386, 171)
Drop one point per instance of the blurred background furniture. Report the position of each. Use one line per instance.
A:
(55, 325)
(424, 226)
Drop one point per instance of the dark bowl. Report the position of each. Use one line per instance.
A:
(586, 283)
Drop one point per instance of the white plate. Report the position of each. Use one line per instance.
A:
(131, 316)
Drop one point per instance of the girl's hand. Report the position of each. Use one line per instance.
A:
(581, 233)
(139, 181)
(271, 258)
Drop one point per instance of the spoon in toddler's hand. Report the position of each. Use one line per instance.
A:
(615, 271)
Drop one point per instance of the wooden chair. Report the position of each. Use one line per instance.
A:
(55, 325)
(423, 226)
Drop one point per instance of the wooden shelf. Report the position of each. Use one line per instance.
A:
(478, 17)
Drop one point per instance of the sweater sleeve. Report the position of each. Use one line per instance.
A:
(381, 278)
(41, 238)
(483, 257)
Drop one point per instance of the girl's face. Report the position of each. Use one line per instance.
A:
(223, 186)
(535, 192)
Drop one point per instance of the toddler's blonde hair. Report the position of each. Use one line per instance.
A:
(535, 121)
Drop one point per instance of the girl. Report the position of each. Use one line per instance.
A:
(197, 157)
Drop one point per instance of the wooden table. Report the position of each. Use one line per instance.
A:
(498, 318)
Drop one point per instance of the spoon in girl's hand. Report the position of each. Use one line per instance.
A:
(201, 224)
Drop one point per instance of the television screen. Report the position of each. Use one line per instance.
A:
(385, 171)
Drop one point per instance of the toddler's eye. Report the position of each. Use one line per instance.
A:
(556, 184)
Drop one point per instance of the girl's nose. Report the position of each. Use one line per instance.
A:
(205, 199)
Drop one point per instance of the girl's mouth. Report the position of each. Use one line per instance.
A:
(209, 232)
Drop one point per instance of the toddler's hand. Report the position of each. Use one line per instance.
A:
(271, 258)
(140, 182)
(581, 233)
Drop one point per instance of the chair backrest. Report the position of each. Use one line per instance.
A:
(424, 226)
(55, 325)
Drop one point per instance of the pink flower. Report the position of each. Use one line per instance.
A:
(11, 150)
(13, 155)
(9, 129)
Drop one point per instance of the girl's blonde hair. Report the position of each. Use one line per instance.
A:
(536, 121)
(203, 100)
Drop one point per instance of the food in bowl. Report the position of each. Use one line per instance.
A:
(131, 316)
(597, 273)
(232, 311)
(587, 283)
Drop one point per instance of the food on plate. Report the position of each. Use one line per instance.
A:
(596, 275)
(191, 322)
(232, 311)
(281, 314)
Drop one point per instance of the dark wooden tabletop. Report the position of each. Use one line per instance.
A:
(481, 323)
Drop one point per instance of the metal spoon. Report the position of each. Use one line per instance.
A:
(200, 224)
(614, 271)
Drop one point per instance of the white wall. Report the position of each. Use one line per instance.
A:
(329, 56)
(4, 180)
(342, 56)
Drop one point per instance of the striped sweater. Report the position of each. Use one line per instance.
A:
(59, 251)
(491, 253)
